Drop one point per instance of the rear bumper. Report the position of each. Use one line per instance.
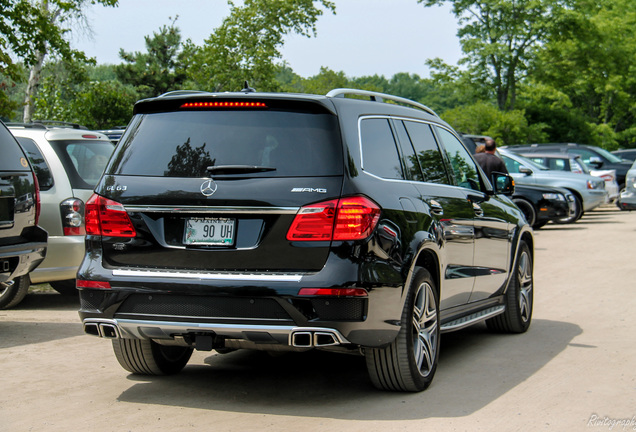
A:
(62, 260)
(18, 260)
(260, 308)
(298, 337)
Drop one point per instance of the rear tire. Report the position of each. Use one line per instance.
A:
(410, 361)
(519, 297)
(143, 357)
(527, 209)
(13, 293)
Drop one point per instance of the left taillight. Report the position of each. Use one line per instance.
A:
(106, 217)
(351, 218)
(72, 211)
(36, 197)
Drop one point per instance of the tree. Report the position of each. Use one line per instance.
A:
(506, 127)
(246, 45)
(498, 38)
(159, 70)
(31, 30)
(84, 95)
(591, 64)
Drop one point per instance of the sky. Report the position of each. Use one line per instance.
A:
(365, 37)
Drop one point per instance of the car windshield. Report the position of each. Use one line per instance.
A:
(609, 156)
(527, 162)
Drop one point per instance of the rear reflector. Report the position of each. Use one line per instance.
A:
(79, 283)
(227, 104)
(106, 217)
(351, 218)
(333, 292)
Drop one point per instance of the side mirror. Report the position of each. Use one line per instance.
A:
(503, 184)
(525, 170)
(596, 162)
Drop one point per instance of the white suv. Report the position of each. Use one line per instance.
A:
(68, 161)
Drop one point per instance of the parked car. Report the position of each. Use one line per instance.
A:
(68, 161)
(626, 154)
(594, 157)
(573, 163)
(113, 134)
(542, 204)
(627, 198)
(291, 222)
(22, 240)
(589, 192)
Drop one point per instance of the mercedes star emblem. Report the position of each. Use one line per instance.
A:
(208, 187)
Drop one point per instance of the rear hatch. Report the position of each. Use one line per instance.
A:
(214, 185)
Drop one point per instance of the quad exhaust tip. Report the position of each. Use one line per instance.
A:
(105, 330)
(309, 339)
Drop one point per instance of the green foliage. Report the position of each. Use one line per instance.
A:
(498, 38)
(30, 29)
(246, 45)
(592, 61)
(158, 71)
(506, 127)
(68, 94)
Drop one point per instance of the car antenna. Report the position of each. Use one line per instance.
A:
(247, 88)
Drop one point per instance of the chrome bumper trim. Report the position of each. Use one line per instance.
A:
(209, 276)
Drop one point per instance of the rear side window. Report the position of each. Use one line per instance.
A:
(83, 160)
(184, 144)
(428, 153)
(379, 152)
(13, 158)
(41, 168)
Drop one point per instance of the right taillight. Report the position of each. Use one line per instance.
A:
(106, 217)
(351, 218)
(72, 211)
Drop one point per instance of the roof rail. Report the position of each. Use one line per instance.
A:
(379, 97)
(42, 124)
(26, 125)
(182, 92)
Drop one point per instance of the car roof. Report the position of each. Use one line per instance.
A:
(169, 101)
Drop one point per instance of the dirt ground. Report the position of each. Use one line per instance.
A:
(574, 370)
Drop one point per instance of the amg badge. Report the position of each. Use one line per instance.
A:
(318, 190)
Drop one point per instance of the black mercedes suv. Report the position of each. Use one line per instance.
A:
(294, 222)
(22, 241)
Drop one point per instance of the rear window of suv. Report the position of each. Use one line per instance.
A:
(83, 160)
(12, 156)
(184, 144)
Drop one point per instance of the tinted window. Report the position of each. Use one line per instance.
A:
(379, 152)
(12, 156)
(409, 160)
(428, 153)
(511, 165)
(184, 144)
(83, 160)
(41, 168)
(464, 168)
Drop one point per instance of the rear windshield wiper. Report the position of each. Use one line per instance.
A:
(238, 169)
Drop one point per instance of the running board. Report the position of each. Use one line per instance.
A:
(472, 318)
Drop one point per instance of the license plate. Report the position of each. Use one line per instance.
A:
(209, 231)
